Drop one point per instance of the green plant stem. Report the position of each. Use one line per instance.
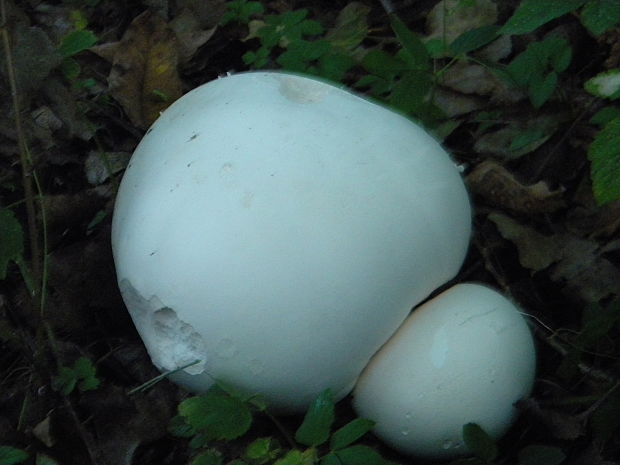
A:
(25, 160)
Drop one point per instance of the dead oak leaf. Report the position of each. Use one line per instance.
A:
(144, 78)
(189, 34)
(500, 188)
(579, 264)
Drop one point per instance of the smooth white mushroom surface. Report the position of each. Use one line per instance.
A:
(466, 356)
(279, 229)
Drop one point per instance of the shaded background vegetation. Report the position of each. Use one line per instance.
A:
(83, 80)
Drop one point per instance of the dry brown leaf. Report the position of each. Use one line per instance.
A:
(42, 431)
(189, 34)
(499, 187)
(578, 263)
(562, 425)
(470, 79)
(144, 76)
(450, 18)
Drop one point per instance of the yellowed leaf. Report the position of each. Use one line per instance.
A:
(144, 77)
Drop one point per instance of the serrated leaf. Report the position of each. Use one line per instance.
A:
(605, 85)
(84, 368)
(541, 455)
(76, 42)
(11, 240)
(474, 39)
(65, 381)
(350, 433)
(531, 14)
(479, 442)
(605, 115)
(218, 415)
(360, 455)
(598, 16)
(11, 455)
(209, 457)
(604, 155)
(297, 457)
(262, 450)
(317, 423)
(89, 384)
(415, 52)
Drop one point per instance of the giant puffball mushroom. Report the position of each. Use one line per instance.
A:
(465, 356)
(279, 229)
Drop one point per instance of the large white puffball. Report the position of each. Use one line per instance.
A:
(465, 356)
(279, 229)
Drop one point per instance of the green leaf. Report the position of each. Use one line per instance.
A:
(218, 415)
(209, 457)
(531, 14)
(350, 433)
(262, 450)
(89, 384)
(76, 42)
(382, 64)
(541, 455)
(310, 27)
(297, 457)
(11, 240)
(334, 65)
(360, 455)
(65, 381)
(541, 89)
(604, 155)
(84, 368)
(605, 115)
(241, 11)
(479, 442)
(318, 421)
(474, 39)
(526, 138)
(605, 85)
(70, 68)
(11, 455)
(331, 459)
(598, 16)
(416, 54)
(410, 93)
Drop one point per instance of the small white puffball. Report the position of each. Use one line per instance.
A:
(279, 229)
(465, 356)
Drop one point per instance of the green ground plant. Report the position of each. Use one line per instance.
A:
(406, 79)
